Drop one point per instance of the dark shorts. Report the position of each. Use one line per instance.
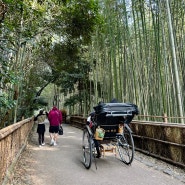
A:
(53, 129)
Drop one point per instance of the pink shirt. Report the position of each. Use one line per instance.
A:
(55, 117)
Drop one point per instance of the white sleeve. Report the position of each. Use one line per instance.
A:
(89, 119)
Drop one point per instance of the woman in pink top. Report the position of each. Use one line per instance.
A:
(55, 119)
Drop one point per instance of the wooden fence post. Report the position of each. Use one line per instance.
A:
(165, 120)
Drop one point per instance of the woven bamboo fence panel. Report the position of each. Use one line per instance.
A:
(13, 140)
(162, 140)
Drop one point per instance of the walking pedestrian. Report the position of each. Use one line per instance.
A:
(40, 118)
(55, 119)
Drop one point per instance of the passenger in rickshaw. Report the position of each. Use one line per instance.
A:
(92, 126)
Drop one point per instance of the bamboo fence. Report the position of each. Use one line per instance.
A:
(13, 140)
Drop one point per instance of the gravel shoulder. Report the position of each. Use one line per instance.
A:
(162, 166)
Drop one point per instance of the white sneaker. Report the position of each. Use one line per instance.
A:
(43, 144)
(52, 142)
(39, 146)
(55, 144)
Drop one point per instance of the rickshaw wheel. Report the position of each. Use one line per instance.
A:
(125, 145)
(87, 149)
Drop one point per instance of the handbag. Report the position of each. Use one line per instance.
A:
(60, 131)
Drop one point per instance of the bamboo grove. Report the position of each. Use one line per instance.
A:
(139, 54)
(91, 51)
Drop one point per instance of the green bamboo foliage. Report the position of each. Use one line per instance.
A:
(137, 56)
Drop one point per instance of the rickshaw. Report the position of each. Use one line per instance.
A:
(113, 120)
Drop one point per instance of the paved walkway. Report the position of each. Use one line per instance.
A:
(62, 165)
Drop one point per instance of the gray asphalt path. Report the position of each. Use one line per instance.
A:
(62, 165)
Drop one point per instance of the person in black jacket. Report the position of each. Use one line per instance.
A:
(39, 119)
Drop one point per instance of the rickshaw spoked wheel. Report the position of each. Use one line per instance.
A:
(87, 148)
